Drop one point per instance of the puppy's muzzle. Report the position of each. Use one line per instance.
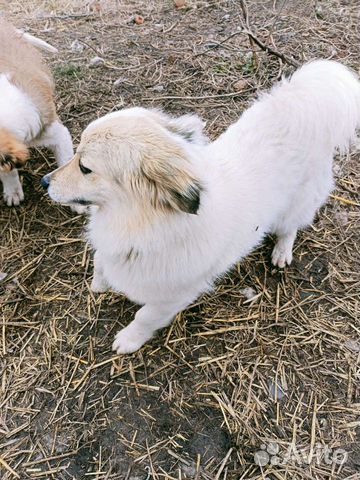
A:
(45, 182)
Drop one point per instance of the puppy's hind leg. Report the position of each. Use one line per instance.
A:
(147, 320)
(300, 214)
(282, 253)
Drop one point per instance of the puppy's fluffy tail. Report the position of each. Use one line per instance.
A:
(37, 42)
(327, 102)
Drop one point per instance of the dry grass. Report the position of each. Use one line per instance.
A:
(229, 375)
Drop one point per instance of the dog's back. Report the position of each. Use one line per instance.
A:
(23, 66)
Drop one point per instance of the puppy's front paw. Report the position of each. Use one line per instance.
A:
(281, 255)
(129, 339)
(13, 195)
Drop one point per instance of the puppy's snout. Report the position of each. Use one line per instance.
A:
(45, 181)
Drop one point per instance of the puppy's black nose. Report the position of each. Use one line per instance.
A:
(45, 181)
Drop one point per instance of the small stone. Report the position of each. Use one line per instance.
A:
(273, 448)
(240, 85)
(120, 81)
(96, 61)
(248, 292)
(323, 422)
(352, 345)
(342, 217)
(261, 458)
(3, 275)
(158, 88)
(76, 46)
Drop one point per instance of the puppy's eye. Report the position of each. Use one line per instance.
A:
(84, 170)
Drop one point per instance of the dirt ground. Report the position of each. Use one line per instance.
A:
(233, 383)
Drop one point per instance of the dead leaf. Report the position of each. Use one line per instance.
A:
(240, 85)
(138, 19)
(179, 4)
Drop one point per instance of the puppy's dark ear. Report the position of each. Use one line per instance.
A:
(168, 185)
(188, 201)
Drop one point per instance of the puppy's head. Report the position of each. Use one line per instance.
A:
(13, 153)
(129, 160)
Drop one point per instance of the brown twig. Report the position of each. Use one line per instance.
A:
(289, 60)
(253, 38)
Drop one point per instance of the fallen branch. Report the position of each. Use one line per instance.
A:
(289, 60)
(253, 38)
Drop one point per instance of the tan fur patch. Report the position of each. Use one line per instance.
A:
(167, 186)
(12, 152)
(27, 71)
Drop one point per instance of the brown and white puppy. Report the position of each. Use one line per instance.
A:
(27, 109)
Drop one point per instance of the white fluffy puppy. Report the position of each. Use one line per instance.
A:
(27, 108)
(173, 214)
